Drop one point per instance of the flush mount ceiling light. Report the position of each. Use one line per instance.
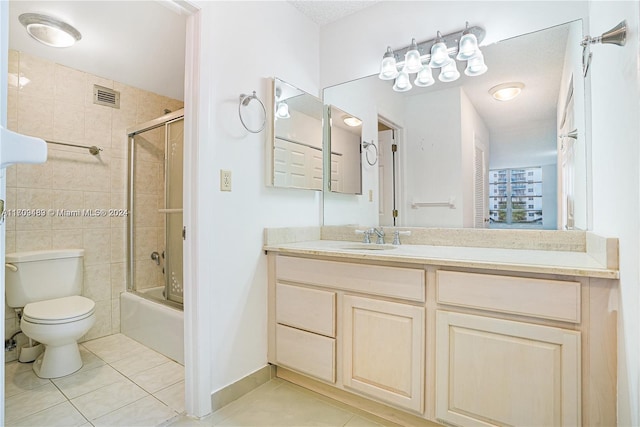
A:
(351, 121)
(49, 30)
(282, 110)
(506, 91)
(420, 58)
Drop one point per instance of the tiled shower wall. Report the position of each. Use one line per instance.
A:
(54, 102)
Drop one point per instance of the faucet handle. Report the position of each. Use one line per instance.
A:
(396, 236)
(367, 235)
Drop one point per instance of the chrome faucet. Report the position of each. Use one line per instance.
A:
(367, 235)
(380, 234)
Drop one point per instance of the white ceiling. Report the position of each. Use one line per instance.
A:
(139, 43)
(326, 12)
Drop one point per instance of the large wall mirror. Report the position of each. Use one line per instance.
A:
(343, 144)
(295, 143)
(465, 159)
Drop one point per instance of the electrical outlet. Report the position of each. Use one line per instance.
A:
(225, 180)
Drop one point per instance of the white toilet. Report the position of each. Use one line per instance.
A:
(47, 286)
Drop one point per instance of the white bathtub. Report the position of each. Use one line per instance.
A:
(155, 325)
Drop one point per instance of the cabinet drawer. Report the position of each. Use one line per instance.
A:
(313, 310)
(405, 283)
(547, 299)
(305, 352)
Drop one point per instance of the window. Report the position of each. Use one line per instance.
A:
(516, 198)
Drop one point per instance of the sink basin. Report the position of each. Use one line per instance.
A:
(366, 247)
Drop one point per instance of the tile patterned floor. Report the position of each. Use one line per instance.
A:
(279, 403)
(122, 383)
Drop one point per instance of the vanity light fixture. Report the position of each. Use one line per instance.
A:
(351, 121)
(49, 31)
(282, 110)
(506, 91)
(420, 58)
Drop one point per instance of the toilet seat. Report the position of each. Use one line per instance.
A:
(59, 310)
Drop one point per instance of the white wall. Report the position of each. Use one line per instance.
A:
(243, 44)
(433, 153)
(473, 129)
(615, 131)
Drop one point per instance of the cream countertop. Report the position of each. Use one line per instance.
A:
(516, 260)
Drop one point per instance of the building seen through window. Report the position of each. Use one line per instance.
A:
(515, 198)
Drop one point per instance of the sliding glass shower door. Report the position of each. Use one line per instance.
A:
(155, 226)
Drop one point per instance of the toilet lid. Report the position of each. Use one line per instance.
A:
(59, 310)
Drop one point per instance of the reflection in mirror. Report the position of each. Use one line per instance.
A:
(296, 142)
(466, 159)
(345, 135)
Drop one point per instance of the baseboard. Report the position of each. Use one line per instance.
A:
(241, 387)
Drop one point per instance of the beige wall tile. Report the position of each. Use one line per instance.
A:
(145, 242)
(118, 244)
(148, 178)
(68, 170)
(14, 67)
(68, 205)
(35, 201)
(40, 73)
(128, 97)
(115, 316)
(95, 201)
(12, 107)
(69, 85)
(146, 211)
(11, 203)
(12, 175)
(97, 127)
(97, 282)
(97, 246)
(10, 241)
(118, 279)
(67, 239)
(119, 203)
(102, 327)
(118, 175)
(97, 173)
(35, 116)
(150, 106)
(33, 240)
(34, 175)
(68, 123)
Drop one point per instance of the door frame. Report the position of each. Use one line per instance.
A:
(398, 167)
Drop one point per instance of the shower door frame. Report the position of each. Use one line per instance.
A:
(131, 134)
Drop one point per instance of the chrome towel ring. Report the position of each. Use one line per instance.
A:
(366, 146)
(244, 101)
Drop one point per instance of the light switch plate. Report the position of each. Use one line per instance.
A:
(225, 180)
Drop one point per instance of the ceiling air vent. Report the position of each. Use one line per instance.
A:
(105, 96)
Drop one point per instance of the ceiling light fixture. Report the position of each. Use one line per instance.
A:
(282, 110)
(506, 91)
(48, 30)
(419, 58)
(351, 121)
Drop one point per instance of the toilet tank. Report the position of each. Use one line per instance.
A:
(42, 275)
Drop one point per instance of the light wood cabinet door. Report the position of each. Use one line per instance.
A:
(383, 354)
(497, 372)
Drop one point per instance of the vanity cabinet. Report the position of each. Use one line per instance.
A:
(492, 371)
(425, 343)
(305, 330)
(498, 372)
(383, 351)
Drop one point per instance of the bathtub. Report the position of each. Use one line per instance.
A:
(153, 324)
